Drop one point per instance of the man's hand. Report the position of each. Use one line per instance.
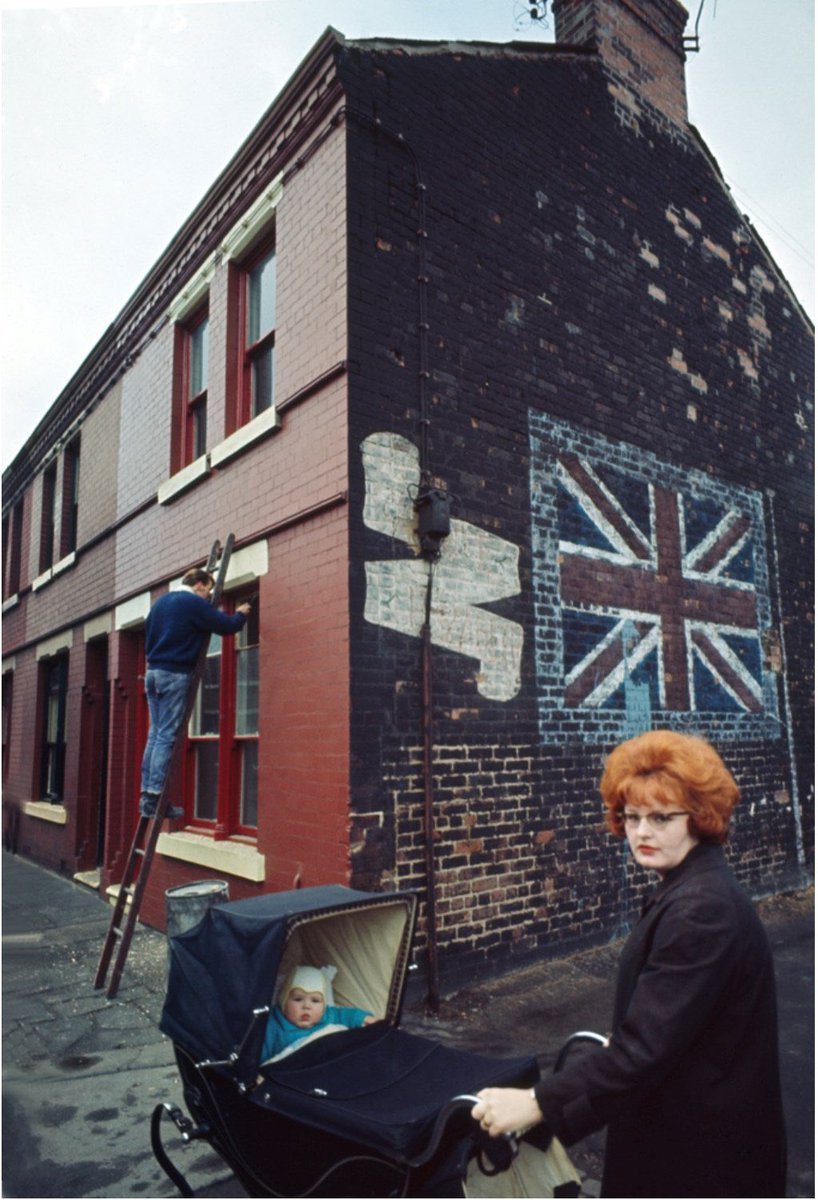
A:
(243, 609)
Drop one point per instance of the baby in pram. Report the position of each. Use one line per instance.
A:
(305, 1009)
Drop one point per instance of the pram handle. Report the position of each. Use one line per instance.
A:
(582, 1035)
(456, 1105)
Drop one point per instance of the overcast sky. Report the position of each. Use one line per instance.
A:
(116, 119)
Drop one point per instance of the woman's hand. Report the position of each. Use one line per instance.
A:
(506, 1110)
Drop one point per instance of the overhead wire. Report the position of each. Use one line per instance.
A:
(766, 218)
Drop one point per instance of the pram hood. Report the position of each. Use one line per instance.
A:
(228, 965)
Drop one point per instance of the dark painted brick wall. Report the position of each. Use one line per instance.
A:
(591, 289)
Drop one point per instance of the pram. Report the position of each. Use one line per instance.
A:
(373, 1111)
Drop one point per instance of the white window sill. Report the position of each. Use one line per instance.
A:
(231, 858)
(184, 479)
(41, 810)
(48, 575)
(64, 563)
(11, 603)
(260, 427)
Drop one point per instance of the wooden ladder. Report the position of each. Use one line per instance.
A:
(146, 834)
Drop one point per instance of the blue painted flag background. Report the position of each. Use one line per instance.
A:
(651, 593)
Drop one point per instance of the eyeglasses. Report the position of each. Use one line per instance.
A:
(657, 820)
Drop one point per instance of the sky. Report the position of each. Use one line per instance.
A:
(117, 118)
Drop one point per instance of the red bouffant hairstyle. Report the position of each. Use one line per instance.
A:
(678, 770)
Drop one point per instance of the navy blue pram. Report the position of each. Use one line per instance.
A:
(375, 1111)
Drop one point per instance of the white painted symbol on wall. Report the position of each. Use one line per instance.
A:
(475, 567)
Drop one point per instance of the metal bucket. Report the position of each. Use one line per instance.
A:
(187, 904)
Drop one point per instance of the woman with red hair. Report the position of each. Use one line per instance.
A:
(688, 1083)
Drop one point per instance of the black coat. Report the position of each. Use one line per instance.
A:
(689, 1084)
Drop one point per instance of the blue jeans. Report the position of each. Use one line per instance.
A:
(167, 693)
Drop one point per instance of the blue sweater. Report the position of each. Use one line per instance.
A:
(177, 625)
(282, 1033)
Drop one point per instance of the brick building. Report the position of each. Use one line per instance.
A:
(510, 412)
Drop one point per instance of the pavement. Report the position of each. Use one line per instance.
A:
(82, 1074)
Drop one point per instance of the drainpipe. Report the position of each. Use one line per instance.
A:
(432, 508)
(427, 733)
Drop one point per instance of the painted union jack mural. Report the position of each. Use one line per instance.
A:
(651, 593)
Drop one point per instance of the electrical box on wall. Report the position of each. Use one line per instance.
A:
(432, 506)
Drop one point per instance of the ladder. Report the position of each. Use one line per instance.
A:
(146, 834)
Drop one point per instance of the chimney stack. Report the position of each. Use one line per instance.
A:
(640, 41)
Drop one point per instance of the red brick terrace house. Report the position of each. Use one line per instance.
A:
(494, 301)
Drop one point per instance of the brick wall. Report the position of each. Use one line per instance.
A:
(590, 281)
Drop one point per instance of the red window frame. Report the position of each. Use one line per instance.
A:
(217, 746)
(189, 438)
(254, 354)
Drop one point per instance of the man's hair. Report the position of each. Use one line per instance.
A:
(197, 575)
(680, 771)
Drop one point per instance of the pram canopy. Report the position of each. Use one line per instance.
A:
(229, 964)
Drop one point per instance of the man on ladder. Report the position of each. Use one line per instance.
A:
(177, 633)
(174, 631)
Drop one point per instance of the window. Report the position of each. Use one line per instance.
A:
(70, 498)
(257, 310)
(47, 518)
(12, 550)
(221, 783)
(8, 696)
(52, 758)
(194, 366)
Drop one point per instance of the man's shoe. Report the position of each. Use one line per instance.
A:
(147, 806)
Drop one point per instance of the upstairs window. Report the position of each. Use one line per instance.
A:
(196, 338)
(70, 498)
(191, 355)
(12, 550)
(48, 518)
(257, 318)
(221, 781)
(54, 683)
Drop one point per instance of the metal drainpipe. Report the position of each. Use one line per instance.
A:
(427, 726)
(433, 982)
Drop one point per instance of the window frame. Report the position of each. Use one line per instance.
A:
(248, 353)
(54, 683)
(187, 407)
(227, 820)
(12, 550)
(48, 518)
(194, 404)
(8, 712)
(69, 522)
